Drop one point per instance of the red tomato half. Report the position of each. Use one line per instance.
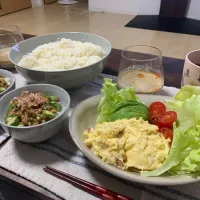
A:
(167, 133)
(167, 119)
(154, 115)
(157, 106)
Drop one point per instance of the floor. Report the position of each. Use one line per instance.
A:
(56, 18)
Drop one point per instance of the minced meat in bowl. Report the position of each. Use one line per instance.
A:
(32, 108)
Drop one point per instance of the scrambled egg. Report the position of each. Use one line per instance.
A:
(128, 144)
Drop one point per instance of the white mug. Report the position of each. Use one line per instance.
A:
(191, 70)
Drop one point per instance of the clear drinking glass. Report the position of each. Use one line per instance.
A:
(141, 68)
(9, 36)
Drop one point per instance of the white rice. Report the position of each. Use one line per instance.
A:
(62, 55)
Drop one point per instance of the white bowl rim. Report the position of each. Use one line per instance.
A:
(11, 85)
(45, 123)
(72, 69)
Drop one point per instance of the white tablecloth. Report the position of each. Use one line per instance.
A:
(28, 160)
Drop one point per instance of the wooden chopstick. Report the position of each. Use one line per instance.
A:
(85, 185)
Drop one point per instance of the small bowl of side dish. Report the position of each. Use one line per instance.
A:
(66, 59)
(34, 113)
(7, 82)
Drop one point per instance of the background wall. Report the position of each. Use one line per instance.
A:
(194, 9)
(139, 7)
(126, 6)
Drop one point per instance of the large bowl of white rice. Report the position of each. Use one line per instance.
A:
(66, 59)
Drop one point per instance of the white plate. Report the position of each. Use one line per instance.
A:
(84, 116)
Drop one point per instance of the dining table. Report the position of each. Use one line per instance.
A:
(12, 186)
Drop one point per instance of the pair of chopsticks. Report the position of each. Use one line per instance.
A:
(85, 185)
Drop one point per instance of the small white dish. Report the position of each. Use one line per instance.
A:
(11, 77)
(84, 116)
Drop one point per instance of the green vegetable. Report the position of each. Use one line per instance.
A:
(184, 156)
(20, 124)
(129, 109)
(56, 105)
(13, 121)
(11, 106)
(2, 89)
(53, 98)
(48, 114)
(186, 92)
(113, 103)
(39, 116)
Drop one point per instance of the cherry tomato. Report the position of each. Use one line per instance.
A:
(167, 119)
(157, 112)
(167, 133)
(157, 106)
(154, 116)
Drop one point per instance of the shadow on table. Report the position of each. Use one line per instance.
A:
(38, 154)
(31, 157)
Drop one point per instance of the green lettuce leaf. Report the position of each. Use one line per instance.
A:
(186, 92)
(188, 160)
(129, 109)
(111, 99)
(184, 156)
